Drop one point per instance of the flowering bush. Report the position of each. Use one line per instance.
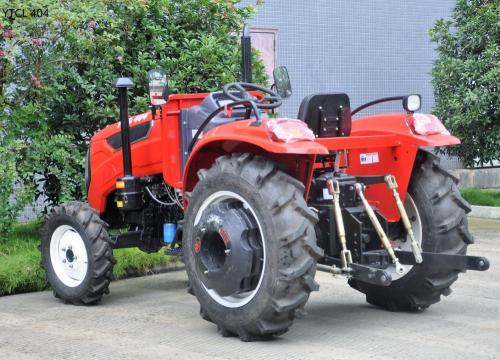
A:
(56, 73)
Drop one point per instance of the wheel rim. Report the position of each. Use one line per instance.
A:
(416, 223)
(68, 256)
(216, 258)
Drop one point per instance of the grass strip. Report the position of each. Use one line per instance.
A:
(482, 197)
(20, 269)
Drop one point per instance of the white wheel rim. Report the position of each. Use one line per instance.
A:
(68, 256)
(416, 223)
(233, 301)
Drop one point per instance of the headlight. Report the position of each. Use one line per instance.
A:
(289, 130)
(427, 124)
(412, 103)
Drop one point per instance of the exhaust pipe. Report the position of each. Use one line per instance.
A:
(246, 55)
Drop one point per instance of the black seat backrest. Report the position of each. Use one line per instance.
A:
(327, 115)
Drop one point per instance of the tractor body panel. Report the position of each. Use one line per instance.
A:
(390, 147)
(155, 147)
(376, 144)
(241, 137)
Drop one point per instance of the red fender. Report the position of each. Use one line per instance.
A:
(240, 137)
(396, 156)
(398, 124)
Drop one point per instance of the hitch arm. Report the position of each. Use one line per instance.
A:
(364, 273)
(446, 261)
(392, 185)
(378, 228)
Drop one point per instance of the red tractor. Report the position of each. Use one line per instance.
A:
(255, 205)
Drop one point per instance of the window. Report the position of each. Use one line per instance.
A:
(265, 41)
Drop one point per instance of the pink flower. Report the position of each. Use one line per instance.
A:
(92, 24)
(36, 81)
(8, 34)
(2, 53)
(119, 58)
(37, 41)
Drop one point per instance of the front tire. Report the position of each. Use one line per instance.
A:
(266, 225)
(77, 254)
(443, 220)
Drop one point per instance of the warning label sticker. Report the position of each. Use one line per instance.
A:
(369, 158)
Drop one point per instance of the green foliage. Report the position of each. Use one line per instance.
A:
(466, 77)
(11, 201)
(482, 197)
(56, 73)
(20, 259)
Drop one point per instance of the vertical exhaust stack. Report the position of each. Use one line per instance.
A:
(246, 55)
(122, 84)
(129, 192)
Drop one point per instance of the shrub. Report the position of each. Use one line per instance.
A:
(56, 73)
(466, 77)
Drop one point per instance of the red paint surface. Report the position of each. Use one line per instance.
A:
(388, 135)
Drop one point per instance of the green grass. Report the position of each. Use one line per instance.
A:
(20, 269)
(483, 197)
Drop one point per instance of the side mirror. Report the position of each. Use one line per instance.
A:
(158, 87)
(282, 82)
(412, 103)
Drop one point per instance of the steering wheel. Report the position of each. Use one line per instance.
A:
(271, 101)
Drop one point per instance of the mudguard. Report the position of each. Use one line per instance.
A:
(241, 137)
(395, 155)
(378, 145)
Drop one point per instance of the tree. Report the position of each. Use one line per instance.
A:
(57, 66)
(466, 78)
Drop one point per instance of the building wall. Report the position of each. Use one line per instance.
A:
(366, 48)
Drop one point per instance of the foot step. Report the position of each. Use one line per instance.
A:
(174, 252)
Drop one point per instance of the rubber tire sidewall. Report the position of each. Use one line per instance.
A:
(64, 291)
(250, 312)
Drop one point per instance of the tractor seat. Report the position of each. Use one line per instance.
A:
(327, 115)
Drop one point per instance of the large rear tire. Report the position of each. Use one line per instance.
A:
(242, 195)
(77, 254)
(442, 214)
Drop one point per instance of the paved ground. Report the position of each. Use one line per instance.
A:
(154, 318)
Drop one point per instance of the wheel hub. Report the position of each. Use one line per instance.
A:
(68, 256)
(228, 249)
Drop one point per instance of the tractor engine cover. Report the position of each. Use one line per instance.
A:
(228, 250)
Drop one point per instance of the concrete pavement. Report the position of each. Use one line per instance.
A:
(154, 318)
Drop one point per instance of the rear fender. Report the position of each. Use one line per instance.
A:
(297, 159)
(398, 124)
(397, 160)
